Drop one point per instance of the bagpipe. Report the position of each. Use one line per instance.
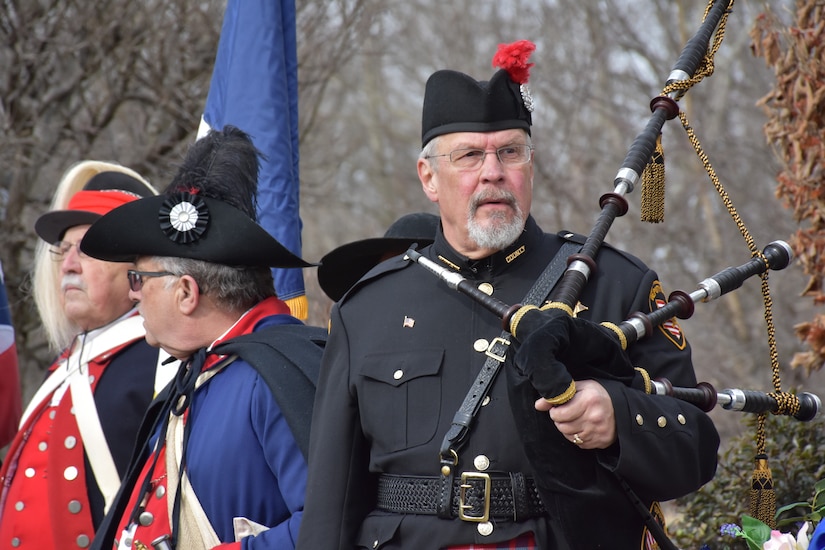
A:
(524, 322)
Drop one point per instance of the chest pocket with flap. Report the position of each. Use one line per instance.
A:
(399, 394)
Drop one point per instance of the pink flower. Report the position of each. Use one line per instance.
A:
(786, 541)
(780, 541)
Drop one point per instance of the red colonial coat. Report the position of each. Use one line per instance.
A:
(48, 498)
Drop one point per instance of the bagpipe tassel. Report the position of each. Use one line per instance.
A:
(763, 497)
(653, 186)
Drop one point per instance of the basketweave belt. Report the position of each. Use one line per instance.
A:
(477, 496)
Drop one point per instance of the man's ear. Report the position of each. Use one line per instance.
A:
(428, 180)
(187, 294)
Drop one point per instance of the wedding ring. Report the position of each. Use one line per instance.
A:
(577, 440)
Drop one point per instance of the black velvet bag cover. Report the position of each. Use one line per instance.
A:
(585, 501)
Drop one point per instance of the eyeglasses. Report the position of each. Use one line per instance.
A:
(470, 159)
(136, 277)
(59, 250)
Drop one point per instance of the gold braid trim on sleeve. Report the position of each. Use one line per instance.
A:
(558, 305)
(563, 397)
(646, 378)
(514, 321)
(618, 331)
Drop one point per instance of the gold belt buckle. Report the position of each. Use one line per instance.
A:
(465, 478)
(494, 355)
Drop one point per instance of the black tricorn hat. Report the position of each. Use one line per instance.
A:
(342, 267)
(456, 102)
(207, 213)
(220, 234)
(103, 192)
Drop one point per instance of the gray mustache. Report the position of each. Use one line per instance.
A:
(72, 280)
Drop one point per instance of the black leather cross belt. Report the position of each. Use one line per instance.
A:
(476, 496)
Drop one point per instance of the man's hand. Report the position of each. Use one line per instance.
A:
(587, 420)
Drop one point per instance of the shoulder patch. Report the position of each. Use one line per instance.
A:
(669, 328)
(648, 542)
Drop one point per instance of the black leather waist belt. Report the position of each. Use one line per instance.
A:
(476, 496)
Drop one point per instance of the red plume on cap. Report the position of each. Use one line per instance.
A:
(513, 59)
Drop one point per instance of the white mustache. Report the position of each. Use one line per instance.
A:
(72, 280)
(492, 195)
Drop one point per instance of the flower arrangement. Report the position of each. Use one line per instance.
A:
(760, 536)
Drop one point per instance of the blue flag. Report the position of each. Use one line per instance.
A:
(255, 87)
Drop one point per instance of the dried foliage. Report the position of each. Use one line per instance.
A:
(796, 111)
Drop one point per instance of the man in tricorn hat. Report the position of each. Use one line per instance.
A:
(224, 462)
(415, 444)
(65, 464)
(342, 267)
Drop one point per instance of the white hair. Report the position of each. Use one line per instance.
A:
(46, 277)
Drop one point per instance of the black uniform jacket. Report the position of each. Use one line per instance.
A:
(401, 356)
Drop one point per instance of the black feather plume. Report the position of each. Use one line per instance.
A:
(222, 165)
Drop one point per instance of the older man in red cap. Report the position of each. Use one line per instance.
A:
(65, 463)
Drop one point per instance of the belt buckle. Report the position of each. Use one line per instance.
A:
(466, 478)
(498, 357)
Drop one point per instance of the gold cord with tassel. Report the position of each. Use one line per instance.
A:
(653, 186)
(762, 495)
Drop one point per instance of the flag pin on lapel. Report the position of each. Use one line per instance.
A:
(409, 322)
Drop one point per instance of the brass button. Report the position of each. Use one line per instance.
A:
(681, 419)
(74, 506)
(70, 473)
(19, 505)
(83, 541)
(398, 374)
(481, 463)
(15, 542)
(375, 544)
(662, 421)
(42, 446)
(485, 401)
(486, 288)
(70, 442)
(481, 345)
(160, 491)
(640, 419)
(52, 413)
(30, 472)
(485, 528)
